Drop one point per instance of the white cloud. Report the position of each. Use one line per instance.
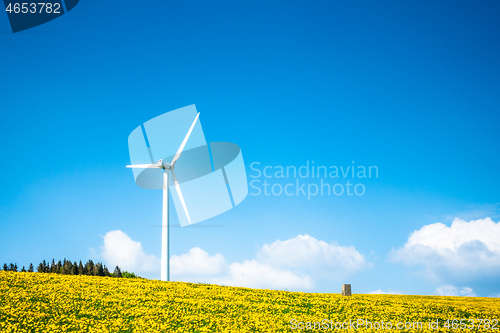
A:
(120, 250)
(449, 290)
(289, 264)
(465, 251)
(381, 292)
(198, 266)
(254, 274)
(293, 264)
(308, 253)
(198, 262)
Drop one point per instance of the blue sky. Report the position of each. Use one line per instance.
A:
(410, 87)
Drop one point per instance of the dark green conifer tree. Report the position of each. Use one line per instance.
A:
(100, 269)
(90, 267)
(66, 268)
(81, 269)
(117, 272)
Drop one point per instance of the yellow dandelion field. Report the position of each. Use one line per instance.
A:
(38, 302)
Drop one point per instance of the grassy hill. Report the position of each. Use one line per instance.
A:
(38, 302)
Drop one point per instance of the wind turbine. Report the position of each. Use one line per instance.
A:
(162, 164)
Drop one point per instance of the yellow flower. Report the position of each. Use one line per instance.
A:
(38, 302)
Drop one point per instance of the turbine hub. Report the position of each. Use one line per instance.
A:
(166, 165)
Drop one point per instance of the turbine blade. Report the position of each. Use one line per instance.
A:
(143, 166)
(181, 197)
(181, 148)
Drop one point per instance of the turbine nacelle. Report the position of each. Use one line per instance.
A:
(164, 165)
(161, 164)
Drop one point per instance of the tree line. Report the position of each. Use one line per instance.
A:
(72, 268)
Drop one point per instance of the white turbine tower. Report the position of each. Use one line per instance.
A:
(161, 164)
